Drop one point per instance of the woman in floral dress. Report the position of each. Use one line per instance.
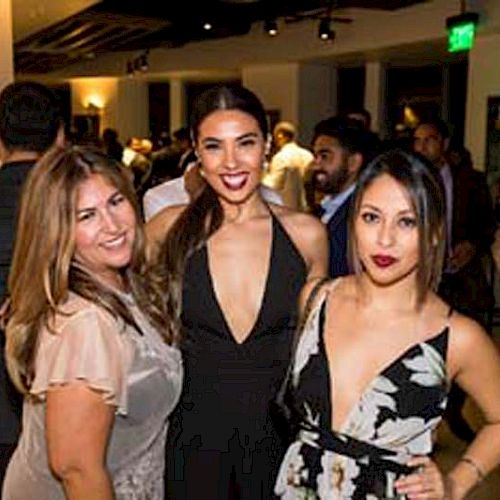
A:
(377, 353)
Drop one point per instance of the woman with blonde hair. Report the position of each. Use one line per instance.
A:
(88, 341)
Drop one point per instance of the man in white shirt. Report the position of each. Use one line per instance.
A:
(289, 168)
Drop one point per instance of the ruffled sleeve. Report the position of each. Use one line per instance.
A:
(88, 345)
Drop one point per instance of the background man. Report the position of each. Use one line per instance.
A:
(289, 167)
(341, 148)
(30, 123)
(470, 231)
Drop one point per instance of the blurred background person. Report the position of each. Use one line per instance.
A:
(470, 228)
(30, 123)
(288, 170)
(112, 146)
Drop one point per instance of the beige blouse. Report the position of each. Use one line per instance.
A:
(138, 374)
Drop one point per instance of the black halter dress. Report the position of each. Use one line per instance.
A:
(224, 442)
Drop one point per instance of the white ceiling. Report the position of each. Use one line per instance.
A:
(29, 16)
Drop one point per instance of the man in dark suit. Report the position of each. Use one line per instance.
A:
(341, 147)
(30, 122)
(470, 226)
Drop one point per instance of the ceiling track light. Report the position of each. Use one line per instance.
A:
(271, 27)
(138, 64)
(325, 31)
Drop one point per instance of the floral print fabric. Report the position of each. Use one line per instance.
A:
(396, 415)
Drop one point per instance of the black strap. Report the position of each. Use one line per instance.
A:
(280, 397)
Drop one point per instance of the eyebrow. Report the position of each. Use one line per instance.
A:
(376, 209)
(324, 149)
(239, 138)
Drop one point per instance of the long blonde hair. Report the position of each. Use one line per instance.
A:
(43, 272)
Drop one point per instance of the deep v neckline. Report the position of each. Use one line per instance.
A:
(381, 372)
(264, 295)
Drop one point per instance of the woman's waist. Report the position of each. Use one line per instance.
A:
(391, 457)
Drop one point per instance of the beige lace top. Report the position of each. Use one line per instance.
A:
(138, 374)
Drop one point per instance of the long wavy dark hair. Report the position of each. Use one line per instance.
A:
(43, 270)
(204, 215)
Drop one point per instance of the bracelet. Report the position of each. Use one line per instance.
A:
(479, 471)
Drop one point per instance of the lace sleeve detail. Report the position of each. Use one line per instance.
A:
(88, 345)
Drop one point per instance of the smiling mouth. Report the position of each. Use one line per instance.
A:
(115, 242)
(234, 182)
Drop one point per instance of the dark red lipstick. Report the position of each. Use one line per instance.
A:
(383, 260)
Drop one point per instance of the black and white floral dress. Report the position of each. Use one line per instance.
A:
(393, 420)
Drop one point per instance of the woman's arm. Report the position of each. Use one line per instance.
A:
(78, 425)
(157, 228)
(476, 362)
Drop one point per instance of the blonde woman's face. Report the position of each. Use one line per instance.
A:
(386, 232)
(105, 229)
(231, 150)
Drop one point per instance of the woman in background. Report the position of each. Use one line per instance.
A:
(378, 351)
(83, 339)
(238, 264)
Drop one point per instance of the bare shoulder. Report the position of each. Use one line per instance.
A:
(309, 236)
(299, 224)
(469, 344)
(342, 289)
(159, 225)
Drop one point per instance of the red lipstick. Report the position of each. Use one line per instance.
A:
(383, 260)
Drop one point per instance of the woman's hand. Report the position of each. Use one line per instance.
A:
(426, 484)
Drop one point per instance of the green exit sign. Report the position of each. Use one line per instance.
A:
(461, 31)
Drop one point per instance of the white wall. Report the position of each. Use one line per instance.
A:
(123, 103)
(484, 81)
(277, 86)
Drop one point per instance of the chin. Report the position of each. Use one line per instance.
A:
(390, 277)
(237, 197)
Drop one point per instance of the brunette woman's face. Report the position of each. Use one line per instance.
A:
(231, 149)
(386, 232)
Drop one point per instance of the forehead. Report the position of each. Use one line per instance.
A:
(93, 188)
(427, 132)
(225, 120)
(326, 142)
(387, 194)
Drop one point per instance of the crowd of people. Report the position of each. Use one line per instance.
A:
(238, 346)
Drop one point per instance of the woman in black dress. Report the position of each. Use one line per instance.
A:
(238, 263)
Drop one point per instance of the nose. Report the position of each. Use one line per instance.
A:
(110, 222)
(230, 156)
(385, 236)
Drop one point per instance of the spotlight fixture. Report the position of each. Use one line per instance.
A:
(325, 31)
(271, 27)
(143, 62)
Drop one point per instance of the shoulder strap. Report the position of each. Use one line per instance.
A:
(280, 398)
